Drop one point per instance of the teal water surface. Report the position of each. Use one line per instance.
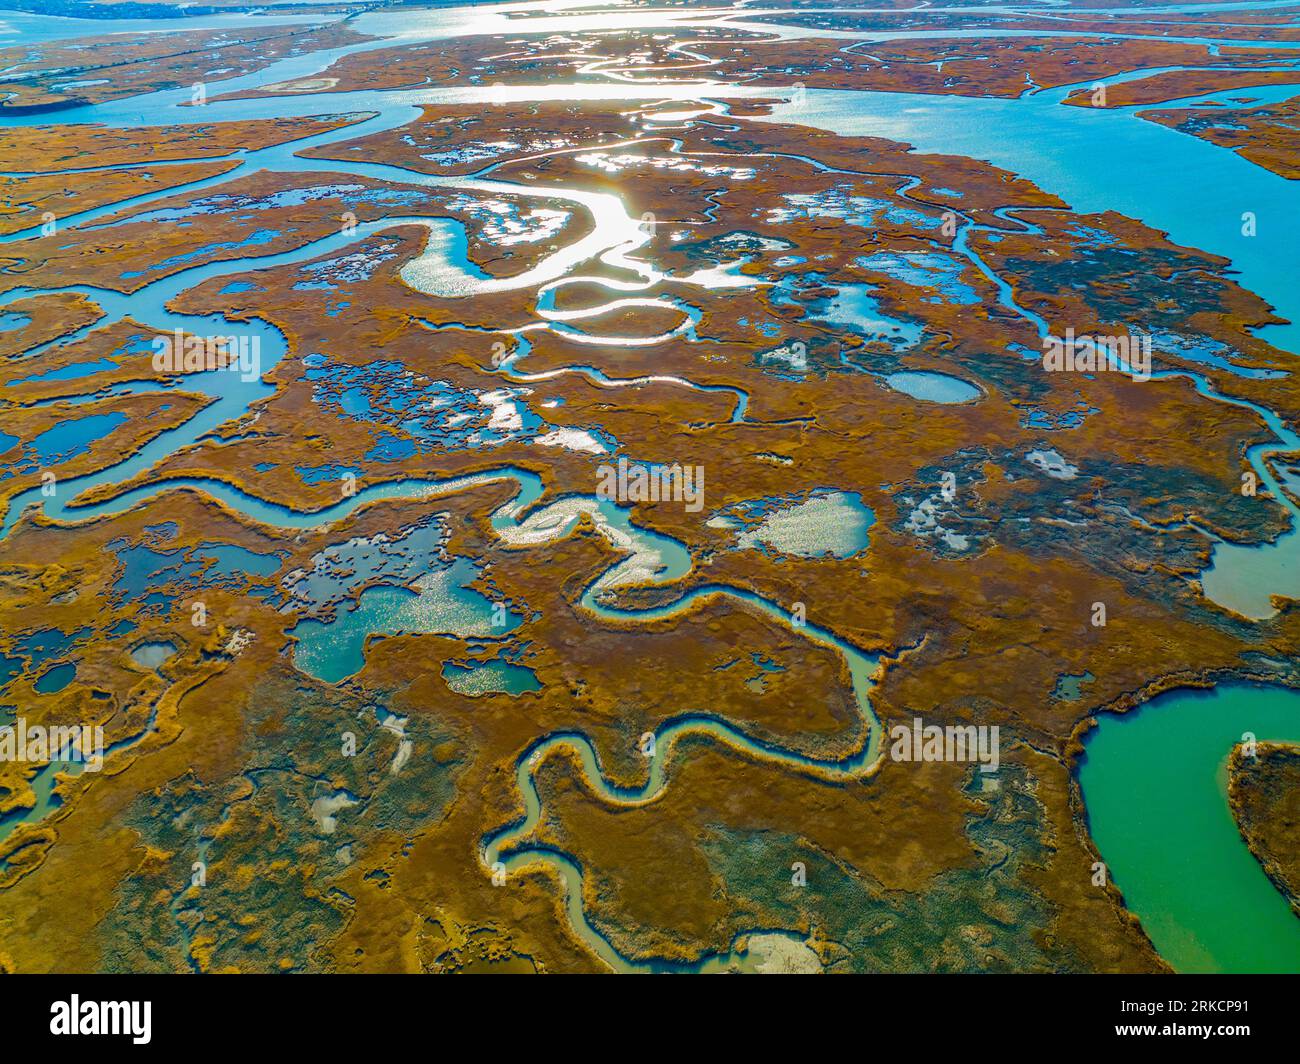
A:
(1155, 784)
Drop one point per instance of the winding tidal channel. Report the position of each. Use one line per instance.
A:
(1200, 191)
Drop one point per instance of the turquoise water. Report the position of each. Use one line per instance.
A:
(74, 436)
(1155, 785)
(72, 371)
(55, 679)
(43, 785)
(932, 387)
(21, 27)
(490, 677)
(831, 524)
(151, 655)
(1200, 198)
(441, 603)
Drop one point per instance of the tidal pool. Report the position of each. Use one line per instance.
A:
(72, 437)
(833, 524)
(490, 677)
(151, 655)
(932, 387)
(333, 650)
(1155, 787)
(1244, 577)
(56, 679)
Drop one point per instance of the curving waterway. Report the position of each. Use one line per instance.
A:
(1155, 784)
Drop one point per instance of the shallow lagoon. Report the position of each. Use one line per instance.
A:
(490, 677)
(335, 649)
(151, 655)
(826, 524)
(932, 387)
(1155, 784)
